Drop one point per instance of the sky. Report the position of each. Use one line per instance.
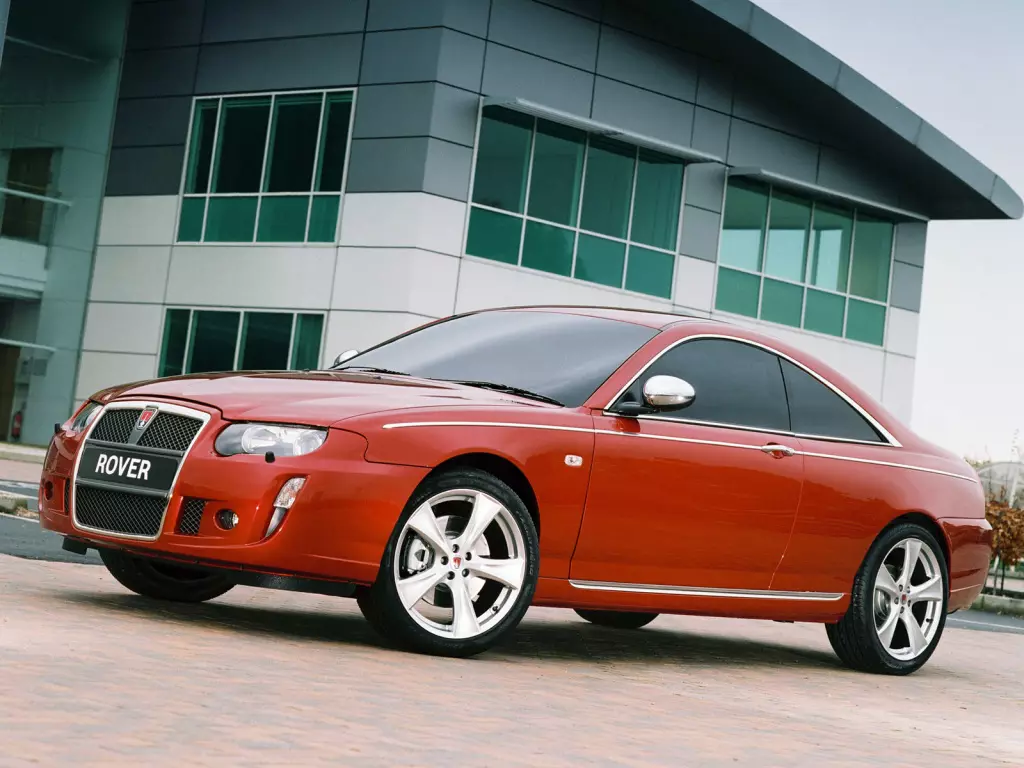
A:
(959, 64)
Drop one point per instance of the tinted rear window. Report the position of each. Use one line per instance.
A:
(817, 410)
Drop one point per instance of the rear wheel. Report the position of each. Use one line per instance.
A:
(460, 569)
(618, 619)
(898, 607)
(164, 581)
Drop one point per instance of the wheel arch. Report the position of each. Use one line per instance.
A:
(502, 468)
(930, 524)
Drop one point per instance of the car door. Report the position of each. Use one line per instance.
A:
(701, 497)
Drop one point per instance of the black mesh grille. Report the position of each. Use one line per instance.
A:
(191, 516)
(115, 426)
(171, 431)
(119, 512)
(67, 496)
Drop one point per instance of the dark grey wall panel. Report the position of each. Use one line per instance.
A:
(170, 72)
(165, 24)
(410, 165)
(469, 16)
(649, 65)
(715, 88)
(870, 97)
(705, 186)
(755, 145)
(513, 73)
(643, 112)
(700, 233)
(416, 109)
(839, 170)
(906, 286)
(423, 55)
(152, 122)
(529, 26)
(911, 239)
(805, 53)
(589, 8)
(305, 62)
(234, 20)
(753, 104)
(711, 132)
(145, 170)
(636, 18)
(957, 158)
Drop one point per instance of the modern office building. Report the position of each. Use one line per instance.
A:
(196, 185)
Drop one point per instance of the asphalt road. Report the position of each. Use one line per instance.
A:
(24, 538)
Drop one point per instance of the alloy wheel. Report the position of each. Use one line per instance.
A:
(908, 599)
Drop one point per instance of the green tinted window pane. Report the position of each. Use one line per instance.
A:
(788, 222)
(872, 252)
(238, 164)
(334, 142)
(865, 322)
(266, 337)
(548, 248)
(212, 346)
(600, 261)
(503, 155)
(204, 127)
(283, 219)
(608, 187)
(494, 236)
(782, 302)
(190, 225)
(323, 219)
(306, 350)
(230, 219)
(746, 211)
(824, 312)
(659, 187)
(293, 138)
(737, 292)
(557, 169)
(830, 248)
(650, 272)
(172, 351)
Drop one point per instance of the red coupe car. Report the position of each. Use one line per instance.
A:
(619, 463)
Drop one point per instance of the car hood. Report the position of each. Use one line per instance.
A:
(318, 398)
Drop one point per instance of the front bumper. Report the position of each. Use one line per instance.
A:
(337, 529)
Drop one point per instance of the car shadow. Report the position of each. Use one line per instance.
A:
(561, 641)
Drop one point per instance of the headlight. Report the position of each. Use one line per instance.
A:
(269, 438)
(85, 416)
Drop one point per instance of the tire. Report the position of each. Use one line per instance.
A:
(859, 638)
(164, 581)
(618, 619)
(507, 546)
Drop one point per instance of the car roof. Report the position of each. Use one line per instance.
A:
(649, 318)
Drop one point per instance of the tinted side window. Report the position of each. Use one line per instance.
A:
(736, 384)
(817, 410)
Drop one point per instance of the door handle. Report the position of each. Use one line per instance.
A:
(778, 451)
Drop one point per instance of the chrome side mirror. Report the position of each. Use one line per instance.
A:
(345, 356)
(668, 393)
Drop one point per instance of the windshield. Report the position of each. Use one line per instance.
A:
(563, 357)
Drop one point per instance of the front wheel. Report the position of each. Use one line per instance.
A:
(164, 581)
(898, 607)
(460, 569)
(618, 619)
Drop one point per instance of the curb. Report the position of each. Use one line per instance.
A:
(998, 604)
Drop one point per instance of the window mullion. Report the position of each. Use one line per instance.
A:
(271, 122)
(849, 268)
(316, 173)
(290, 361)
(629, 219)
(807, 263)
(238, 339)
(186, 366)
(579, 204)
(526, 194)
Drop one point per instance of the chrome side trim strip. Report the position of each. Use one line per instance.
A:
(690, 440)
(748, 594)
(849, 400)
(162, 406)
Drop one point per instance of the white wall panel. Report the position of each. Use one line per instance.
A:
(130, 273)
(122, 328)
(143, 220)
(901, 335)
(898, 389)
(360, 330)
(694, 283)
(99, 370)
(403, 220)
(395, 280)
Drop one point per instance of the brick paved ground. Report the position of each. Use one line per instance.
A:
(90, 675)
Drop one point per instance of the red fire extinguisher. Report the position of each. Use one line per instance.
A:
(16, 426)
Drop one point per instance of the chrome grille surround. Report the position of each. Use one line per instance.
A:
(119, 412)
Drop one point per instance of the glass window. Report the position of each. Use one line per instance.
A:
(494, 236)
(172, 353)
(650, 271)
(824, 312)
(266, 340)
(608, 188)
(788, 221)
(816, 410)
(561, 356)
(782, 302)
(548, 248)
(213, 341)
(746, 211)
(254, 162)
(737, 292)
(599, 260)
(872, 252)
(830, 248)
(557, 172)
(306, 349)
(29, 170)
(865, 322)
(656, 202)
(503, 160)
(736, 384)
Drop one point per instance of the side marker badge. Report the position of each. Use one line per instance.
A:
(573, 461)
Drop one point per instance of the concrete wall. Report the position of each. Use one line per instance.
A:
(420, 67)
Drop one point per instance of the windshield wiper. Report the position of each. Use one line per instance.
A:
(519, 391)
(370, 369)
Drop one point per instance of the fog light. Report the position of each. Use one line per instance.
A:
(48, 490)
(285, 498)
(226, 519)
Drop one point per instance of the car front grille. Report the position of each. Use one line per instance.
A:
(171, 431)
(191, 516)
(120, 512)
(67, 496)
(116, 425)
